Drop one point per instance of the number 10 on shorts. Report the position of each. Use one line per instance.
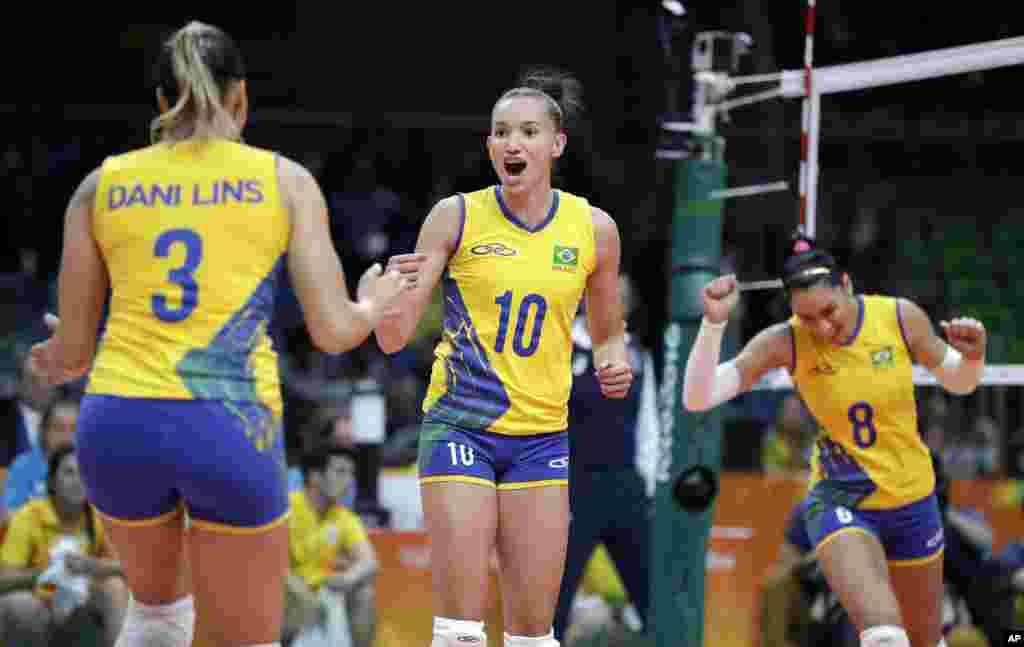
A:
(461, 454)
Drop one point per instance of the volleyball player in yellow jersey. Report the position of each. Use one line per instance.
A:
(514, 260)
(872, 513)
(183, 405)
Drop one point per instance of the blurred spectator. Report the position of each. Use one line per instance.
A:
(56, 566)
(601, 606)
(935, 438)
(20, 416)
(611, 469)
(333, 563)
(936, 409)
(310, 380)
(797, 607)
(976, 454)
(330, 425)
(27, 477)
(786, 447)
(366, 219)
(987, 439)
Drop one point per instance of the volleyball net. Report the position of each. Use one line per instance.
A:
(925, 210)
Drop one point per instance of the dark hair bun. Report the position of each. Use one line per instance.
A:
(802, 244)
(564, 88)
(806, 265)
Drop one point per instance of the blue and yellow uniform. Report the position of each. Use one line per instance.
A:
(315, 543)
(871, 471)
(496, 408)
(183, 404)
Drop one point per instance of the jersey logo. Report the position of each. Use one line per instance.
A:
(565, 259)
(883, 358)
(492, 249)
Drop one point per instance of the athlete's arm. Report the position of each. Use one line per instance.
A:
(336, 323)
(18, 579)
(604, 310)
(82, 285)
(16, 555)
(708, 384)
(359, 565)
(957, 367)
(438, 238)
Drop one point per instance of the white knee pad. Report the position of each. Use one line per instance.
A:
(884, 636)
(458, 633)
(167, 625)
(547, 640)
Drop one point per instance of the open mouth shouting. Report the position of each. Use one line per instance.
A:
(515, 167)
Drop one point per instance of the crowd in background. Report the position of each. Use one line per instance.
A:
(369, 401)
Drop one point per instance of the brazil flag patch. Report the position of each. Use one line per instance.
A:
(566, 258)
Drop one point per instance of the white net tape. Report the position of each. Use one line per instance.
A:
(995, 375)
(911, 67)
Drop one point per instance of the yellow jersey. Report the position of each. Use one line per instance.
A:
(193, 236)
(600, 577)
(511, 292)
(862, 396)
(34, 531)
(315, 543)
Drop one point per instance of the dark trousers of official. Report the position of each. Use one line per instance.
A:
(609, 507)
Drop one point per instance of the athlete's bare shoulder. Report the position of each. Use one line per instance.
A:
(770, 349)
(85, 194)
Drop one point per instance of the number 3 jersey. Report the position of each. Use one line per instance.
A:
(193, 236)
(511, 292)
(862, 396)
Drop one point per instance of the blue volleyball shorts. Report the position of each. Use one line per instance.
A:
(451, 453)
(144, 461)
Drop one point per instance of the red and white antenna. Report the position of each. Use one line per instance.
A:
(809, 121)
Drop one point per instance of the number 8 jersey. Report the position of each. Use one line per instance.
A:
(511, 292)
(193, 236)
(861, 394)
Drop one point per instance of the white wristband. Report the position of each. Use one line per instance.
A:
(707, 384)
(958, 375)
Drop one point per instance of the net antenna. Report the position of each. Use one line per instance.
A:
(715, 87)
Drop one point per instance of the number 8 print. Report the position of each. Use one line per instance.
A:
(862, 417)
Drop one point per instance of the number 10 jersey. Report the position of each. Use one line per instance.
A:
(511, 292)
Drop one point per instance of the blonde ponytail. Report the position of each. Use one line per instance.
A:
(199, 109)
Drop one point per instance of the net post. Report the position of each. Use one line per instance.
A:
(687, 440)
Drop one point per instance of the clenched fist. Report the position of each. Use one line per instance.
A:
(720, 297)
(967, 335)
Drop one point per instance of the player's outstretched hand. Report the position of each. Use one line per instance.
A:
(383, 290)
(44, 360)
(408, 265)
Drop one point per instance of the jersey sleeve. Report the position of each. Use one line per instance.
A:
(16, 550)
